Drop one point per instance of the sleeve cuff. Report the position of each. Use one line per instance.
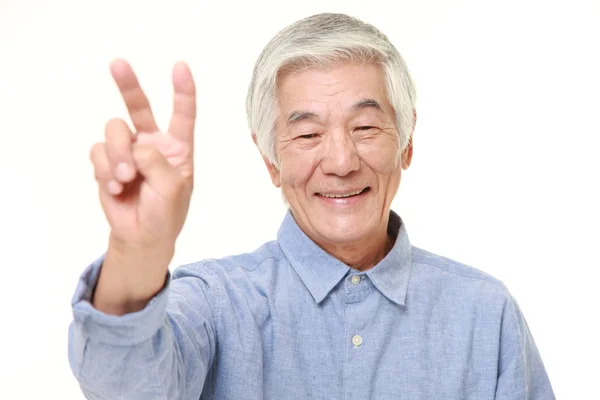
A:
(124, 330)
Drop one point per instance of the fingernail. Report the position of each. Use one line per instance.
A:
(114, 187)
(124, 172)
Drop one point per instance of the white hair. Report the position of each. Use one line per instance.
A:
(319, 41)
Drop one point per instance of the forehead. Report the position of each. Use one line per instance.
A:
(336, 88)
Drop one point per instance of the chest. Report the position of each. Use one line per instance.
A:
(357, 344)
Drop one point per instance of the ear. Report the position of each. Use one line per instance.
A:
(408, 152)
(407, 155)
(273, 170)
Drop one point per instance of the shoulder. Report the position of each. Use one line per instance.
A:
(235, 287)
(442, 275)
(216, 270)
(446, 266)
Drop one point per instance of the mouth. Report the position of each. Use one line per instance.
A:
(344, 195)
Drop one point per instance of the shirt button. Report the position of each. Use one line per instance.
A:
(355, 279)
(356, 340)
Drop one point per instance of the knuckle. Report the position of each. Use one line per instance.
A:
(95, 150)
(114, 123)
(118, 148)
(102, 173)
(99, 162)
(117, 130)
(99, 177)
(146, 154)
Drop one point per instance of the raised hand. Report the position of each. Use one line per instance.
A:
(145, 182)
(146, 179)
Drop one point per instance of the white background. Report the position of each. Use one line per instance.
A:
(504, 175)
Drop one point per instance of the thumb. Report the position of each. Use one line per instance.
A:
(164, 178)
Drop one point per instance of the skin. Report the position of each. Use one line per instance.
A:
(145, 182)
(336, 134)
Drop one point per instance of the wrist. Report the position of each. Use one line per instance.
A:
(130, 277)
(127, 250)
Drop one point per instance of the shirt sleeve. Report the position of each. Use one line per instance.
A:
(163, 351)
(521, 373)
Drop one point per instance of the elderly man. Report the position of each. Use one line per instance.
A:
(341, 305)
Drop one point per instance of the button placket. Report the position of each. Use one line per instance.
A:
(357, 289)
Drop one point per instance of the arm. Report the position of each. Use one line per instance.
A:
(134, 334)
(163, 351)
(521, 373)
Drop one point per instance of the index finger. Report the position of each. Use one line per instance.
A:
(184, 104)
(136, 101)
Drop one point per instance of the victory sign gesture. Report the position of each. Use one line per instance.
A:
(145, 183)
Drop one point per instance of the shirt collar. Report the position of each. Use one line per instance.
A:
(321, 272)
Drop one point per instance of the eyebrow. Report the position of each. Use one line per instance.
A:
(297, 116)
(368, 103)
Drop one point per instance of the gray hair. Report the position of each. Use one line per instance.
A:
(319, 41)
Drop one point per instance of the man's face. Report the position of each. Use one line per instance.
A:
(338, 150)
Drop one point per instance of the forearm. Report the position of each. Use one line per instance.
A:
(144, 354)
(107, 371)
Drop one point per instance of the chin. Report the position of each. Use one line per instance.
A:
(343, 229)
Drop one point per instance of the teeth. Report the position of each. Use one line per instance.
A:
(341, 195)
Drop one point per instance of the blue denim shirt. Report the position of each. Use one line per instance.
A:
(289, 321)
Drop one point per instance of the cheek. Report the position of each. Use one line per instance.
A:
(297, 168)
(381, 158)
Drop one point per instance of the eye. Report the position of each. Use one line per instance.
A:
(365, 128)
(308, 136)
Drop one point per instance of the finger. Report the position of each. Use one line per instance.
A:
(118, 150)
(102, 170)
(184, 103)
(156, 170)
(136, 101)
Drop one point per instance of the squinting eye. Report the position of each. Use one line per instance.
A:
(308, 136)
(364, 128)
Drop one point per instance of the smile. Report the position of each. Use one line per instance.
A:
(342, 195)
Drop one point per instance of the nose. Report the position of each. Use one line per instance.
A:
(340, 156)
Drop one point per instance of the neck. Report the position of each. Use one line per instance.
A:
(364, 254)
